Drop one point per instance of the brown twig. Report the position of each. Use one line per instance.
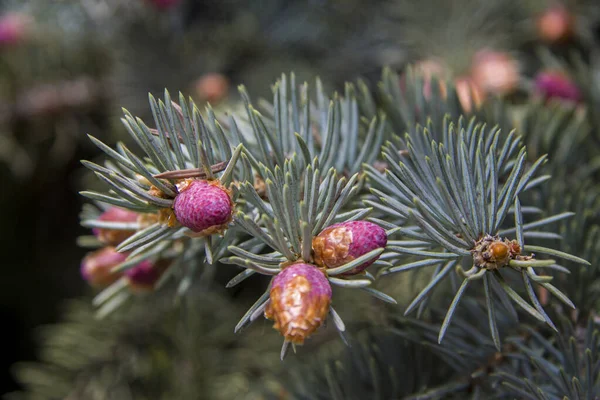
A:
(167, 134)
(191, 172)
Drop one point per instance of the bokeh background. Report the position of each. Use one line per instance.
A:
(68, 66)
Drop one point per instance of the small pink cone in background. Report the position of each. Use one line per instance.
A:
(555, 84)
(96, 266)
(495, 72)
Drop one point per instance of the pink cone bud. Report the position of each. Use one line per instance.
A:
(299, 301)
(96, 266)
(556, 24)
(113, 237)
(205, 207)
(13, 28)
(495, 72)
(346, 241)
(144, 276)
(554, 84)
(212, 87)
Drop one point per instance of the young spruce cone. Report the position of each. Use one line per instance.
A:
(144, 276)
(553, 84)
(346, 241)
(96, 266)
(113, 237)
(299, 301)
(205, 207)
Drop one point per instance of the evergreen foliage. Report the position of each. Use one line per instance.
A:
(489, 203)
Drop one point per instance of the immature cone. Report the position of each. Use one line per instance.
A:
(555, 84)
(13, 28)
(96, 266)
(113, 237)
(495, 72)
(341, 243)
(492, 252)
(556, 24)
(144, 276)
(205, 207)
(299, 301)
(212, 87)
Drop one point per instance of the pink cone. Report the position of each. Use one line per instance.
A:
(145, 275)
(96, 266)
(13, 28)
(346, 241)
(554, 84)
(299, 301)
(113, 237)
(203, 207)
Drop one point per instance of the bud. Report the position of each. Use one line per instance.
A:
(299, 301)
(113, 237)
(96, 266)
(556, 24)
(346, 241)
(555, 84)
(13, 28)
(143, 276)
(495, 72)
(205, 207)
(492, 252)
(212, 87)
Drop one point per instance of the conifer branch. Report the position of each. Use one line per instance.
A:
(478, 177)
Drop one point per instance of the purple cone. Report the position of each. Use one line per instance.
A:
(13, 28)
(114, 237)
(96, 266)
(203, 207)
(299, 301)
(557, 85)
(341, 243)
(143, 274)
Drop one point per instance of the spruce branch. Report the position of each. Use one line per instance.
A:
(459, 191)
(379, 365)
(470, 354)
(147, 349)
(563, 366)
(330, 127)
(413, 97)
(150, 183)
(579, 236)
(563, 132)
(144, 216)
(299, 207)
